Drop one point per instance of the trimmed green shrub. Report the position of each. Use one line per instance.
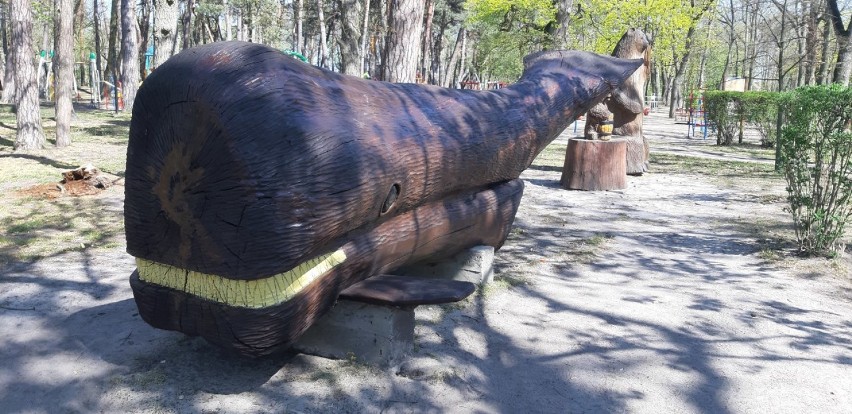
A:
(721, 110)
(730, 111)
(816, 156)
(760, 109)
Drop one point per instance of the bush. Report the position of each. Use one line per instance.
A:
(728, 111)
(720, 108)
(816, 154)
(760, 109)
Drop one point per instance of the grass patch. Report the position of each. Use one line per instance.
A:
(586, 250)
(597, 240)
(37, 228)
(553, 156)
(34, 228)
(27, 225)
(681, 164)
(97, 137)
(154, 378)
(747, 149)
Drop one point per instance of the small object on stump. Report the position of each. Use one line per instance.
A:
(605, 129)
(595, 165)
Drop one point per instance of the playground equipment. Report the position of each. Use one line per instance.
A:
(95, 78)
(259, 188)
(696, 117)
(296, 55)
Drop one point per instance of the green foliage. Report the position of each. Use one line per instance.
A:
(760, 109)
(512, 14)
(666, 21)
(721, 109)
(816, 149)
(508, 31)
(729, 111)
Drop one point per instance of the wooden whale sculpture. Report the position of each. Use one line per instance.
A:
(258, 187)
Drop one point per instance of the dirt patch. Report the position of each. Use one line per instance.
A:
(91, 185)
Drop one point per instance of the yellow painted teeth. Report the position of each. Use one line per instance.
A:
(254, 294)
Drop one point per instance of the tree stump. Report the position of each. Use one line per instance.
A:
(595, 165)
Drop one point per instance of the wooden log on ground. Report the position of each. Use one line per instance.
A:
(595, 165)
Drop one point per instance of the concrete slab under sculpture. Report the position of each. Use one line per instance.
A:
(474, 265)
(383, 334)
(372, 334)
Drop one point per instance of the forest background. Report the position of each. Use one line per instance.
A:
(697, 44)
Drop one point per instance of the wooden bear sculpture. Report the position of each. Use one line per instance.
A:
(627, 103)
(258, 187)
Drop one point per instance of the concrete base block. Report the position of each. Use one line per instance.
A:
(474, 265)
(380, 335)
(384, 335)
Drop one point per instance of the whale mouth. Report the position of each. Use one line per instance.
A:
(264, 315)
(253, 294)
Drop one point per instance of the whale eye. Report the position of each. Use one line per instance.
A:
(393, 194)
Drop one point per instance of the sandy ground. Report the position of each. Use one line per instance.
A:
(657, 298)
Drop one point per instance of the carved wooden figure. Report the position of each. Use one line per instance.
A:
(259, 187)
(627, 103)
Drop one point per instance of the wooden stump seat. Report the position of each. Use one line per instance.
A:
(595, 165)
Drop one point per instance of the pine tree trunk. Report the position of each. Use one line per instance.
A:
(680, 70)
(97, 29)
(350, 36)
(165, 30)
(129, 54)
(112, 43)
(2, 65)
(27, 112)
(652, 84)
(822, 74)
(365, 29)
(426, 43)
(323, 46)
(64, 72)
(144, 38)
(843, 67)
(8, 95)
(458, 76)
(227, 7)
(78, 23)
(405, 22)
(438, 50)
(811, 42)
(4, 15)
(187, 25)
(447, 78)
(300, 17)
